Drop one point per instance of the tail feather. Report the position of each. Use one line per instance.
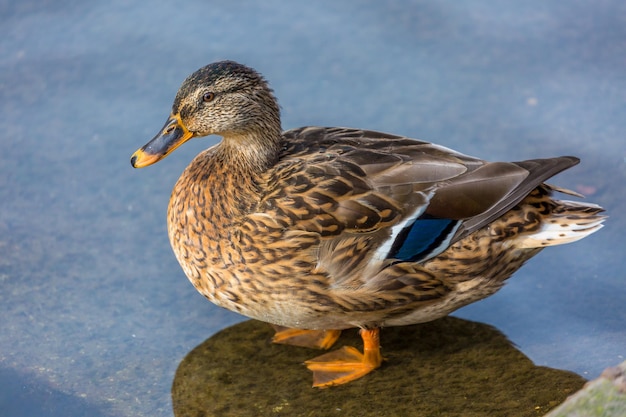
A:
(568, 222)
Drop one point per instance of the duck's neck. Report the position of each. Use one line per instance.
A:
(249, 153)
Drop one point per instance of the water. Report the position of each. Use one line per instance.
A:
(96, 313)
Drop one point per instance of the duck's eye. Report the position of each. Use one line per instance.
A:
(208, 97)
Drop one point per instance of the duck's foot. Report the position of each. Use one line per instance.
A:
(347, 364)
(318, 339)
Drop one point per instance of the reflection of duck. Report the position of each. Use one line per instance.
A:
(449, 367)
(330, 228)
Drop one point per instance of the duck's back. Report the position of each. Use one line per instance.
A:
(407, 176)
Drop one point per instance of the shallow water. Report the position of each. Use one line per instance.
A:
(97, 315)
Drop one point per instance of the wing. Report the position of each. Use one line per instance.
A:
(390, 198)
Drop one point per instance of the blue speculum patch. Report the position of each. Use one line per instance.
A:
(418, 240)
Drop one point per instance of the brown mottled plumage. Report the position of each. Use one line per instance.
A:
(321, 229)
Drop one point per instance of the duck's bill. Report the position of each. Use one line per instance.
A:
(173, 134)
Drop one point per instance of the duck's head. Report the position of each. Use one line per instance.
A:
(224, 98)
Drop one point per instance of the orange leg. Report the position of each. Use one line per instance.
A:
(347, 364)
(319, 339)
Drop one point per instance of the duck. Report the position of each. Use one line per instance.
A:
(320, 229)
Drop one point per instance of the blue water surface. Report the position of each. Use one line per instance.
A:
(96, 313)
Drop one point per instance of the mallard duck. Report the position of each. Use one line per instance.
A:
(320, 229)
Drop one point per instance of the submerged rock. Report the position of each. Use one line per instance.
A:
(449, 367)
